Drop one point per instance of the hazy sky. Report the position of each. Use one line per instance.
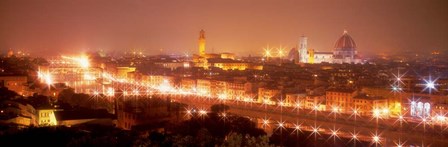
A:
(240, 26)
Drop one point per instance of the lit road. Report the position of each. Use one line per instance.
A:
(365, 126)
(387, 130)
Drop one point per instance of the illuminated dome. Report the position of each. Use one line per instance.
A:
(345, 42)
(345, 50)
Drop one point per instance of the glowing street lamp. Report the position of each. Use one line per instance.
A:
(110, 92)
(189, 112)
(297, 106)
(297, 128)
(441, 118)
(135, 92)
(280, 125)
(46, 78)
(265, 123)
(223, 116)
(430, 84)
(267, 52)
(376, 139)
(376, 114)
(399, 143)
(202, 113)
(396, 88)
(354, 137)
(334, 135)
(315, 132)
(84, 62)
(96, 93)
(398, 78)
(281, 52)
(385, 112)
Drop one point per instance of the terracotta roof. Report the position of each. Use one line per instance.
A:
(345, 42)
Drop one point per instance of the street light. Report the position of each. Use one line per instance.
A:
(202, 113)
(430, 84)
(354, 138)
(280, 125)
(376, 139)
(265, 123)
(297, 128)
(267, 52)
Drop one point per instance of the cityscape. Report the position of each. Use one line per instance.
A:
(170, 73)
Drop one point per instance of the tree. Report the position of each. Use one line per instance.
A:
(236, 139)
(6, 94)
(39, 101)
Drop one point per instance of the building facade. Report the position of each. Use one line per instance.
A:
(343, 52)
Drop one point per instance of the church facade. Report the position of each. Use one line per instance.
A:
(344, 52)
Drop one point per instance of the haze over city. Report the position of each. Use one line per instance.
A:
(243, 27)
(228, 73)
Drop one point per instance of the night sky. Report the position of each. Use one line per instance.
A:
(50, 27)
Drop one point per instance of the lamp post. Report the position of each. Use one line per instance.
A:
(335, 110)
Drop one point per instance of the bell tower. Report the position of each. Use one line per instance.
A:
(202, 43)
(303, 49)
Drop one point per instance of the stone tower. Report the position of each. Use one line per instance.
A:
(202, 43)
(303, 49)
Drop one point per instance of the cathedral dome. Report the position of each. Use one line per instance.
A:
(293, 54)
(345, 42)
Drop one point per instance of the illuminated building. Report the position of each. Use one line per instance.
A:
(228, 56)
(344, 52)
(236, 90)
(303, 49)
(293, 99)
(228, 64)
(420, 108)
(364, 104)
(46, 117)
(268, 95)
(340, 98)
(14, 112)
(239, 89)
(225, 61)
(201, 43)
(172, 65)
(15, 83)
(311, 56)
(311, 101)
(157, 80)
(203, 87)
(439, 109)
(218, 87)
(188, 85)
(122, 72)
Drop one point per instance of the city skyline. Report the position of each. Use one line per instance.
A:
(241, 27)
(224, 73)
